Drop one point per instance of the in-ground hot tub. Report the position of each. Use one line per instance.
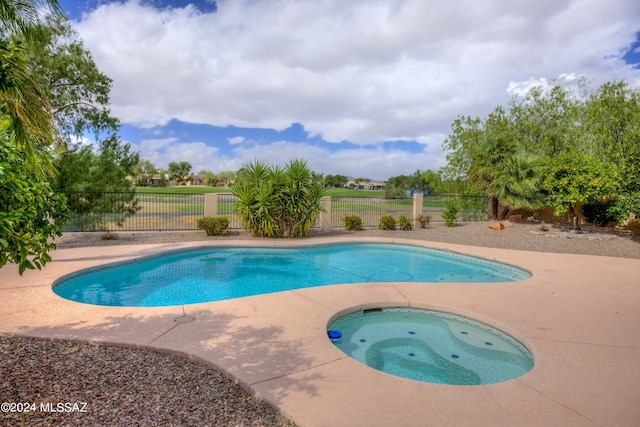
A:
(430, 346)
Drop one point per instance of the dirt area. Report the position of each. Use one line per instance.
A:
(529, 236)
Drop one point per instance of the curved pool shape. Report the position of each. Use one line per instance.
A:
(212, 274)
(430, 346)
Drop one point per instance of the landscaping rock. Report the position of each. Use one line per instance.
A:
(497, 226)
(516, 218)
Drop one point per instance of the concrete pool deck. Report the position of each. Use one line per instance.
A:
(578, 315)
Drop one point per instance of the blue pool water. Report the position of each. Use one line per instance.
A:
(213, 274)
(431, 346)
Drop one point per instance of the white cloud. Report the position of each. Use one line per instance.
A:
(236, 140)
(375, 163)
(364, 71)
(80, 140)
(161, 152)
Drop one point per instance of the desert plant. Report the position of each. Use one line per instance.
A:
(387, 222)
(214, 226)
(352, 222)
(110, 236)
(424, 220)
(404, 223)
(277, 202)
(450, 214)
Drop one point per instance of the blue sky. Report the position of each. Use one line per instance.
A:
(366, 88)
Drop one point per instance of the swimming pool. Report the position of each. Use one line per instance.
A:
(430, 346)
(218, 273)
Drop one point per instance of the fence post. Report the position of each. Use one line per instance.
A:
(211, 204)
(417, 209)
(325, 215)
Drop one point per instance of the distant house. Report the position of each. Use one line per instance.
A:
(157, 179)
(366, 185)
(225, 182)
(193, 180)
(376, 185)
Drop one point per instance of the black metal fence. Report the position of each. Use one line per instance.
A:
(226, 202)
(369, 209)
(471, 208)
(113, 211)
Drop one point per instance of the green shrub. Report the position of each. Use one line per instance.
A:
(597, 213)
(404, 223)
(110, 236)
(274, 201)
(387, 222)
(395, 193)
(450, 214)
(214, 226)
(424, 220)
(352, 222)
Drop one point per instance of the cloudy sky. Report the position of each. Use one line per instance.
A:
(365, 88)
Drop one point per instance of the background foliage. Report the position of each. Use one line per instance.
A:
(559, 147)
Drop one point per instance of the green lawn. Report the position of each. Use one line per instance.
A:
(348, 192)
(183, 189)
(203, 189)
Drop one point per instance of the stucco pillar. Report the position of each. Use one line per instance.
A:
(325, 216)
(211, 204)
(417, 209)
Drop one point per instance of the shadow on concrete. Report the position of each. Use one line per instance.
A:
(248, 354)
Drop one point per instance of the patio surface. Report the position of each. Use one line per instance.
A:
(578, 315)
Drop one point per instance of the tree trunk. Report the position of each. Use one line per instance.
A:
(505, 212)
(574, 217)
(494, 207)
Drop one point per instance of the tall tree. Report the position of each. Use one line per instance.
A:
(143, 172)
(487, 158)
(545, 122)
(610, 121)
(179, 171)
(96, 185)
(466, 132)
(21, 18)
(335, 180)
(208, 177)
(24, 104)
(432, 181)
(578, 178)
(77, 90)
(601, 127)
(30, 215)
(518, 182)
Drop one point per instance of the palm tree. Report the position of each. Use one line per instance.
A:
(21, 17)
(24, 109)
(510, 177)
(487, 155)
(517, 182)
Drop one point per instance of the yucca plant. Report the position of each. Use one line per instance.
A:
(277, 201)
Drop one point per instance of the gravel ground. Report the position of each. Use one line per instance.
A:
(124, 386)
(605, 241)
(121, 387)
